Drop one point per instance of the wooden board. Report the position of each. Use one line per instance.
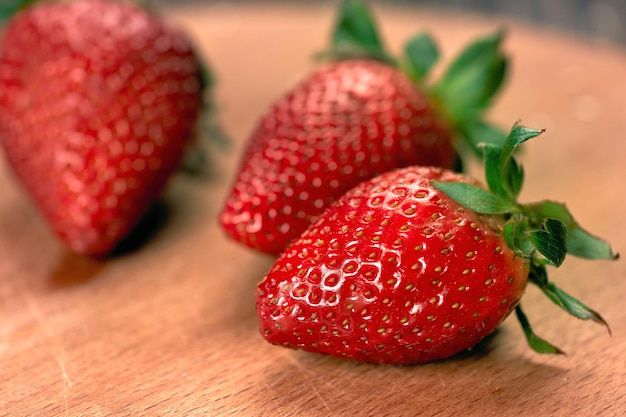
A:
(170, 328)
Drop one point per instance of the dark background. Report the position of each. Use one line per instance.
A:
(604, 19)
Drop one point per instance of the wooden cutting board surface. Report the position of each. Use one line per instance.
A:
(170, 328)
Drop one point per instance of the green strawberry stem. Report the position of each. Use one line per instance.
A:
(543, 233)
(467, 87)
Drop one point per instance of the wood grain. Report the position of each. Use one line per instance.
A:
(169, 329)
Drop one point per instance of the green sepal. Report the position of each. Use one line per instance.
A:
(517, 239)
(502, 169)
(515, 178)
(580, 243)
(550, 241)
(478, 132)
(9, 7)
(518, 135)
(421, 54)
(471, 81)
(538, 344)
(493, 170)
(504, 178)
(355, 34)
(476, 198)
(542, 233)
(571, 305)
(207, 78)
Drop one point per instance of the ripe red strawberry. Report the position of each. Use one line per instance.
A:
(98, 100)
(349, 121)
(397, 271)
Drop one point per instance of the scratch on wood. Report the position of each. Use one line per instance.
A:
(66, 382)
(322, 399)
(55, 349)
(312, 383)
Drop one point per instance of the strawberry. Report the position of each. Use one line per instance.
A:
(98, 100)
(353, 119)
(421, 263)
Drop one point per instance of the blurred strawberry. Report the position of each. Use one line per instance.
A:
(98, 101)
(353, 119)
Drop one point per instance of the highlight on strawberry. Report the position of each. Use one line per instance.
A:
(99, 100)
(421, 263)
(360, 115)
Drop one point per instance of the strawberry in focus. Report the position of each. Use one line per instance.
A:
(98, 101)
(399, 271)
(362, 115)
(396, 272)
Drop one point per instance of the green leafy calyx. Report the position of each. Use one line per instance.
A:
(9, 7)
(355, 34)
(543, 233)
(466, 89)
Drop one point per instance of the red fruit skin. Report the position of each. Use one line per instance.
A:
(346, 123)
(394, 272)
(98, 100)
